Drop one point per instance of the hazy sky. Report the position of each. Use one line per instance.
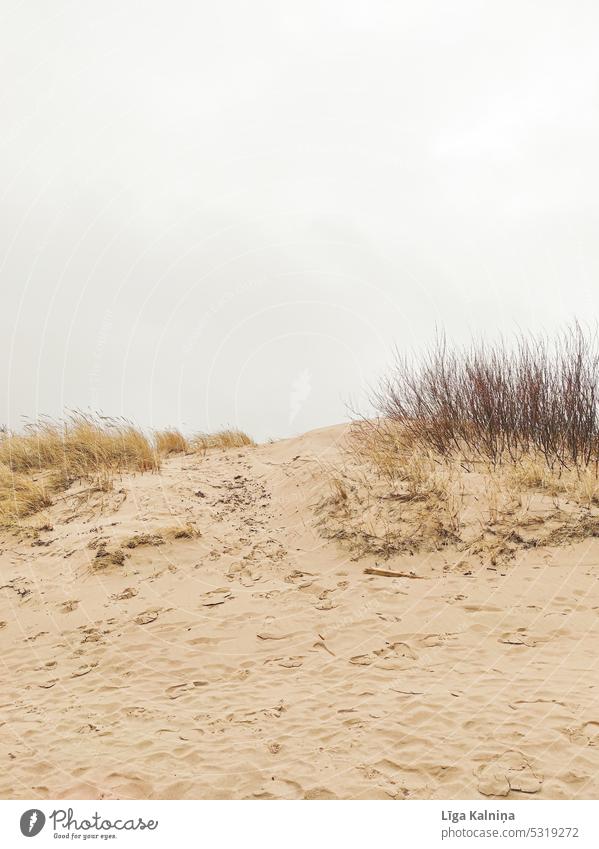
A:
(227, 213)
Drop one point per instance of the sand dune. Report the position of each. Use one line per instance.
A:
(190, 634)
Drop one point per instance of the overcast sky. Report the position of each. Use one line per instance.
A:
(228, 213)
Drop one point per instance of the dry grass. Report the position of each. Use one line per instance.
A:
(490, 449)
(184, 531)
(20, 495)
(140, 540)
(393, 495)
(170, 441)
(580, 486)
(159, 536)
(51, 455)
(387, 500)
(106, 558)
(81, 446)
(223, 439)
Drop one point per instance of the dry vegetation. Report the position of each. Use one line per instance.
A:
(20, 495)
(81, 446)
(159, 536)
(488, 450)
(223, 439)
(386, 500)
(170, 441)
(49, 456)
(502, 402)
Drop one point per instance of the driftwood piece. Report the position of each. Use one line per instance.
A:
(389, 573)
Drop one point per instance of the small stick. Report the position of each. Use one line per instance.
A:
(388, 573)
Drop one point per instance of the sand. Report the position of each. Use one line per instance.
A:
(244, 656)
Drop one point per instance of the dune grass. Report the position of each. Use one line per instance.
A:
(170, 441)
(78, 446)
(222, 439)
(20, 495)
(50, 455)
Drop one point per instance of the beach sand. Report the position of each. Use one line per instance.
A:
(232, 652)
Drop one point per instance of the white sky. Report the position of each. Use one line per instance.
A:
(228, 213)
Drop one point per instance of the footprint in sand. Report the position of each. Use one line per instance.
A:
(243, 574)
(137, 712)
(83, 670)
(216, 597)
(35, 637)
(320, 793)
(397, 780)
(506, 772)
(269, 635)
(88, 728)
(300, 579)
(278, 788)
(178, 690)
(147, 617)
(128, 592)
(518, 638)
(431, 641)
(389, 653)
(242, 674)
(388, 617)
(91, 635)
(586, 734)
(326, 604)
(286, 662)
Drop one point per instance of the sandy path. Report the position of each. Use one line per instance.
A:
(258, 660)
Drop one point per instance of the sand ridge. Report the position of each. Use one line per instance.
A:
(192, 635)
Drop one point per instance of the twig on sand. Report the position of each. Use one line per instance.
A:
(389, 573)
